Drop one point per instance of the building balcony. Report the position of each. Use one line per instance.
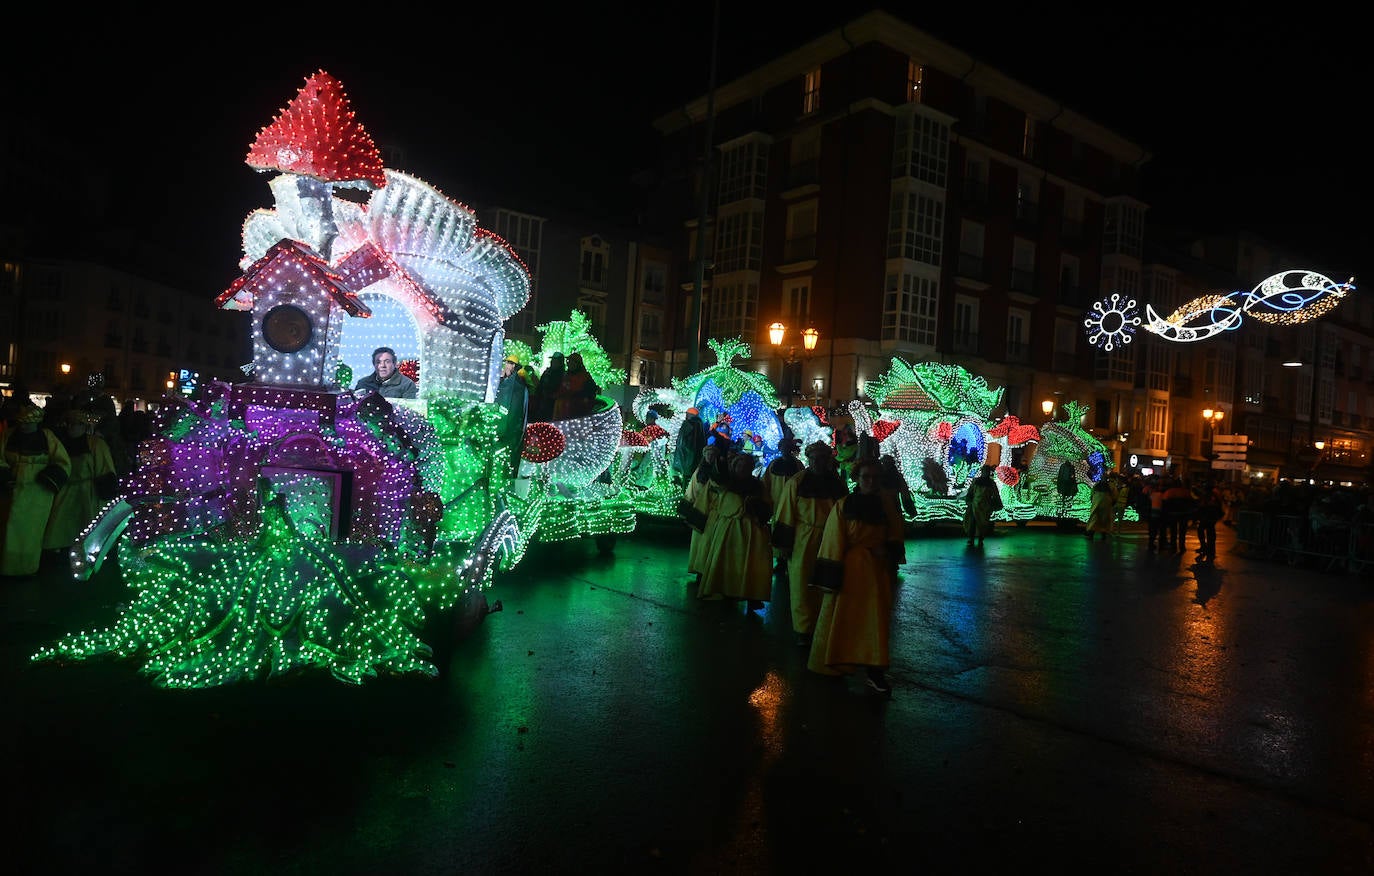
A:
(1023, 281)
(1027, 215)
(966, 342)
(1018, 352)
(975, 192)
(688, 271)
(971, 266)
(804, 173)
(1071, 295)
(799, 249)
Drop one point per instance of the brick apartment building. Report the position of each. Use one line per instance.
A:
(907, 199)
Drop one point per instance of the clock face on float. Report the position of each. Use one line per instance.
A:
(286, 328)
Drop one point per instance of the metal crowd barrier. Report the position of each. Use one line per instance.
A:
(1289, 538)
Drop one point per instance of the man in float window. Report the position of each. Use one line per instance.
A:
(385, 380)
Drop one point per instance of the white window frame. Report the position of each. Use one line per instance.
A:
(916, 226)
(911, 303)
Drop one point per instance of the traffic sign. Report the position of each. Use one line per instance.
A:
(1225, 454)
(1242, 440)
(1229, 464)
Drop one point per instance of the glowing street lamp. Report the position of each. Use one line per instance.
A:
(777, 333)
(1047, 406)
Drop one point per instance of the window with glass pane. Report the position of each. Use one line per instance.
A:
(914, 74)
(806, 158)
(910, 304)
(1123, 229)
(595, 255)
(811, 91)
(1065, 336)
(1157, 365)
(655, 284)
(743, 171)
(796, 303)
(651, 330)
(595, 309)
(733, 310)
(1118, 365)
(1027, 196)
(971, 238)
(801, 232)
(965, 324)
(915, 227)
(921, 149)
(739, 242)
(1157, 438)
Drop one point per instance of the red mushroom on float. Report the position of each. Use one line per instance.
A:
(317, 145)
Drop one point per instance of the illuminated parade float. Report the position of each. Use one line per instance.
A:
(290, 522)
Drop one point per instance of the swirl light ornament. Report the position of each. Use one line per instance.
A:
(1111, 321)
(1287, 298)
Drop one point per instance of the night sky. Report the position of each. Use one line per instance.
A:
(1252, 124)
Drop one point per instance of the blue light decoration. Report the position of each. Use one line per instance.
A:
(1111, 322)
(1290, 297)
(747, 397)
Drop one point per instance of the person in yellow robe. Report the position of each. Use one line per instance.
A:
(799, 518)
(1101, 508)
(854, 572)
(737, 551)
(775, 477)
(93, 481)
(698, 500)
(33, 467)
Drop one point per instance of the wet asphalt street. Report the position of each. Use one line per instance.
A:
(1058, 706)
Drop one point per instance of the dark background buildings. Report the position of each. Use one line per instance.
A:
(1249, 121)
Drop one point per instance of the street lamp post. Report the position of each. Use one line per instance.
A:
(1212, 418)
(777, 333)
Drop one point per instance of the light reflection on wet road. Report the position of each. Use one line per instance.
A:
(1086, 704)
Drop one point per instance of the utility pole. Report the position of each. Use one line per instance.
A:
(703, 202)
